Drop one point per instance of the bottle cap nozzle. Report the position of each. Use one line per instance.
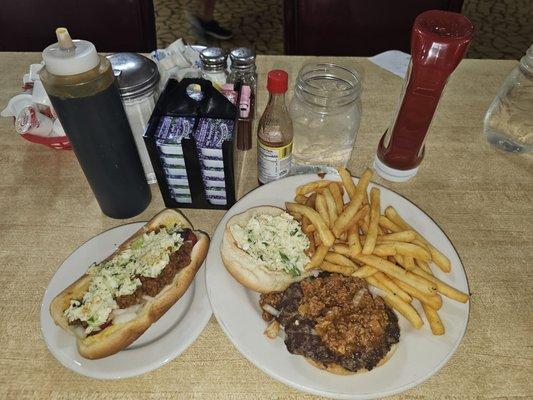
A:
(63, 39)
(69, 57)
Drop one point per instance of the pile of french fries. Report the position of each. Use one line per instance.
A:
(356, 239)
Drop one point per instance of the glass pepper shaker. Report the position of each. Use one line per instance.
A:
(243, 73)
(242, 68)
(509, 120)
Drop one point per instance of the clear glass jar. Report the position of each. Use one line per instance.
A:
(325, 111)
(509, 120)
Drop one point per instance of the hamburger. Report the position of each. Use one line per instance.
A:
(335, 322)
(331, 319)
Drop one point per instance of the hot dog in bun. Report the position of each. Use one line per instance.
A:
(118, 299)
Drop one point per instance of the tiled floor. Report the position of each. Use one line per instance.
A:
(503, 27)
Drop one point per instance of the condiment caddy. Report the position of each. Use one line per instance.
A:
(190, 139)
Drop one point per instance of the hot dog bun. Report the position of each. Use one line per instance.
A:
(118, 336)
(246, 269)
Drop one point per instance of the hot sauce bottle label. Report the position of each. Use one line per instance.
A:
(273, 162)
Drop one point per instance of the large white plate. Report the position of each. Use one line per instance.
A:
(419, 355)
(167, 338)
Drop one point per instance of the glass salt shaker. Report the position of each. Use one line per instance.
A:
(213, 61)
(138, 79)
(509, 120)
(325, 112)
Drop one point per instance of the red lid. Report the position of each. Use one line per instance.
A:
(277, 81)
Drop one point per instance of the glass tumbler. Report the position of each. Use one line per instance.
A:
(325, 111)
(509, 120)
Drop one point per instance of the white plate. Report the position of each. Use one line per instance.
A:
(167, 338)
(419, 354)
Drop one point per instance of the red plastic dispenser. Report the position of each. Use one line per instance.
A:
(439, 41)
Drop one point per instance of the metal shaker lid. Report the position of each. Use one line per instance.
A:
(242, 57)
(213, 58)
(136, 74)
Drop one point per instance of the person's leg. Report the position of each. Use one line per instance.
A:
(208, 25)
(208, 10)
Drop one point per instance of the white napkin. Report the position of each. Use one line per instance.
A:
(394, 61)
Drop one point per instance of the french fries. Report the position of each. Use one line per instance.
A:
(311, 200)
(341, 269)
(301, 199)
(435, 323)
(337, 196)
(408, 249)
(346, 218)
(360, 216)
(434, 301)
(402, 236)
(409, 263)
(384, 250)
(399, 273)
(364, 180)
(365, 224)
(355, 239)
(322, 208)
(326, 237)
(387, 283)
(405, 309)
(365, 271)
(342, 249)
(424, 266)
(442, 287)
(440, 259)
(339, 259)
(354, 242)
(347, 182)
(372, 233)
(386, 223)
(313, 186)
(318, 257)
(330, 204)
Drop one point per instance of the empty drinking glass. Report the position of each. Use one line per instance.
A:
(325, 112)
(509, 120)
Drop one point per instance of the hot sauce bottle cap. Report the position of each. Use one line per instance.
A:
(277, 81)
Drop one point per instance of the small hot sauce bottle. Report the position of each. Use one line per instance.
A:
(274, 133)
